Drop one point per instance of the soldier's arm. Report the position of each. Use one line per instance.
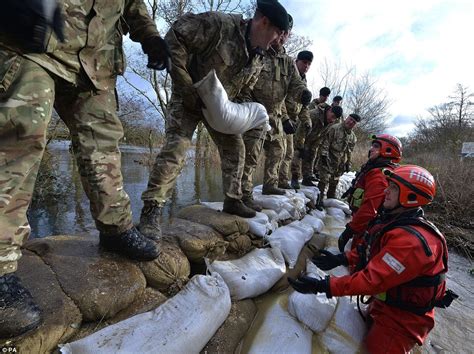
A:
(246, 93)
(140, 24)
(350, 148)
(326, 141)
(295, 85)
(191, 34)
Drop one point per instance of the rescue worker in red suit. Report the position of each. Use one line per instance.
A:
(366, 194)
(405, 266)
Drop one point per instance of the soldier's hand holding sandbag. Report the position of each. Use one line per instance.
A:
(159, 57)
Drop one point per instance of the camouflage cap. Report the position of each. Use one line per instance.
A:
(275, 12)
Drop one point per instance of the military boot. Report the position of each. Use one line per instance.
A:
(237, 207)
(131, 244)
(272, 190)
(285, 186)
(295, 184)
(18, 311)
(248, 201)
(307, 181)
(150, 225)
(332, 190)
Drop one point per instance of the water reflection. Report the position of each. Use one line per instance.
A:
(65, 210)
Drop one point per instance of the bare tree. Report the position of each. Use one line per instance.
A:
(336, 77)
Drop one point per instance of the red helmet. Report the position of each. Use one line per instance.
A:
(390, 146)
(417, 186)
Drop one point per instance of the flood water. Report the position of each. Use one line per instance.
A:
(64, 209)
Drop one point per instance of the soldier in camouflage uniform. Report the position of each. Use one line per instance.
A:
(77, 77)
(321, 120)
(199, 43)
(335, 154)
(320, 102)
(298, 115)
(279, 78)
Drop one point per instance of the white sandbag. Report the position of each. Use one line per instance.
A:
(347, 329)
(183, 324)
(314, 222)
(281, 333)
(344, 184)
(336, 212)
(313, 310)
(253, 274)
(274, 202)
(336, 203)
(290, 239)
(320, 214)
(336, 272)
(311, 193)
(225, 116)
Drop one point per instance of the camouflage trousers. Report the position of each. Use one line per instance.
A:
(284, 174)
(311, 147)
(27, 95)
(328, 175)
(180, 126)
(273, 147)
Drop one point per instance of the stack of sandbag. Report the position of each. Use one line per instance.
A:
(290, 239)
(293, 203)
(260, 225)
(312, 193)
(344, 184)
(183, 324)
(234, 229)
(336, 203)
(253, 274)
(316, 223)
(225, 116)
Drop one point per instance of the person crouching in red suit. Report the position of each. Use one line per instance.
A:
(405, 266)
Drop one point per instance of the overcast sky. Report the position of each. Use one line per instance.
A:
(418, 50)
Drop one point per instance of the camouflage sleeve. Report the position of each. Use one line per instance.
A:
(326, 141)
(304, 116)
(140, 24)
(284, 112)
(296, 84)
(350, 147)
(190, 34)
(246, 93)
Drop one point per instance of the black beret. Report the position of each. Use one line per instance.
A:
(305, 55)
(275, 12)
(337, 110)
(356, 117)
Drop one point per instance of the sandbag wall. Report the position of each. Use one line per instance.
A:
(83, 290)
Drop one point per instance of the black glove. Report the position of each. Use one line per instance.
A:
(289, 127)
(344, 238)
(306, 96)
(347, 166)
(29, 21)
(159, 57)
(308, 285)
(329, 261)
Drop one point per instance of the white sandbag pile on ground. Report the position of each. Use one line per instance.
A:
(293, 203)
(312, 193)
(336, 213)
(259, 225)
(344, 184)
(313, 310)
(253, 274)
(225, 116)
(338, 271)
(183, 324)
(281, 333)
(320, 214)
(290, 239)
(316, 223)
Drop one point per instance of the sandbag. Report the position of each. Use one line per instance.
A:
(223, 223)
(183, 324)
(252, 274)
(336, 213)
(311, 193)
(314, 222)
(347, 329)
(313, 310)
(336, 203)
(168, 272)
(197, 241)
(281, 333)
(239, 244)
(344, 184)
(320, 214)
(290, 239)
(225, 116)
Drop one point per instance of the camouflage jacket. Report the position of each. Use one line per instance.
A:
(338, 144)
(212, 40)
(279, 79)
(294, 109)
(315, 103)
(319, 124)
(93, 31)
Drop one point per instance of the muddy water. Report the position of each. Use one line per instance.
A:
(454, 329)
